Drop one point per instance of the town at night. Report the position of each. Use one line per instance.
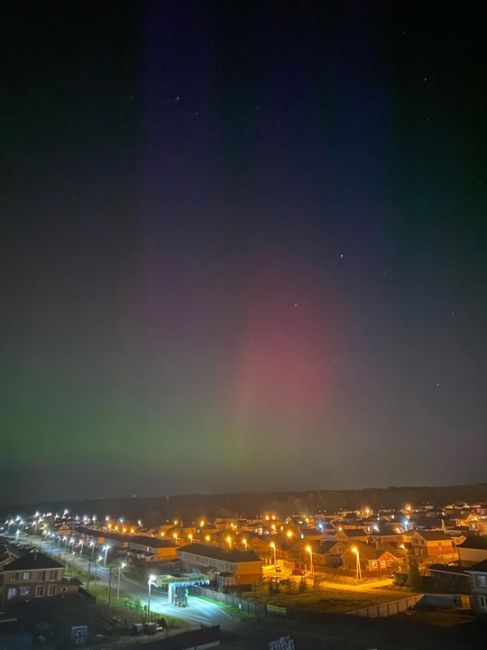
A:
(243, 275)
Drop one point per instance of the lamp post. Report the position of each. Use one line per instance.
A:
(228, 540)
(122, 566)
(149, 585)
(92, 546)
(105, 548)
(359, 568)
(273, 547)
(310, 551)
(245, 543)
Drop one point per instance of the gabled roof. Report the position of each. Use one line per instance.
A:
(33, 561)
(433, 535)
(371, 552)
(480, 567)
(217, 553)
(474, 541)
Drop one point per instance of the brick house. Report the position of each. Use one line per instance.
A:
(32, 576)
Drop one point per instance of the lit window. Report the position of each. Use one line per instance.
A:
(12, 592)
(24, 591)
(481, 581)
(26, 576)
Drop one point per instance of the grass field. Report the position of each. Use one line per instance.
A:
(332, 601)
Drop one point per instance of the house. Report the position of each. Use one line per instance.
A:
(34, 575)
(324, 554)
(244, 566)
(478, 599)
(433, 545)
(373, 559)
(472, 550)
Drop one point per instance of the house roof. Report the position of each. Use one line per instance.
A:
(371, 552)
(217, 553)
(151, 542)
(480, 567)
(433, 535)
(32, 561)
(354, 532)
(474, 541)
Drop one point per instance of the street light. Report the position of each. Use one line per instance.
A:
(122, 566)
(150, 582)
(105, 548)
(310, 551)
(359, 568)
(92, 546)
(228, 540)
(273, 547)
(245, 543)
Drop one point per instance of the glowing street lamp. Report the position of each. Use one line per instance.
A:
(245, 543)
(359, 568)
(92, 546)
(106, 548)
(273, 547)
(289, 534)
(228, 540)
(150, 582)
(122, 566)
(310, 551)
(207, 538)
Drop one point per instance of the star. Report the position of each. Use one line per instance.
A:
(341, 256)
(177, 98)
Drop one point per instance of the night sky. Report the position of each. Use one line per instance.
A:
(243, 246)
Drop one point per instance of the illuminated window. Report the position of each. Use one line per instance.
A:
(26, 576)
(481, 581)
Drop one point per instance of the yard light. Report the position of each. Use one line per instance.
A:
(273, 547)
(228, 540)
(150, 582)
(359, 568)
(310, 551)
(121, 566)
(244, 542)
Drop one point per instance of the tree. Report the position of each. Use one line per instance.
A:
(414, 576)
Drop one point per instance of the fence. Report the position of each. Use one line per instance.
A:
(388, 609)
(242, 604)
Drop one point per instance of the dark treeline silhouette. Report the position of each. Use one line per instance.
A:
(153, 510)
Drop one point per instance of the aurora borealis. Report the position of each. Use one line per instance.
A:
(242, 247)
